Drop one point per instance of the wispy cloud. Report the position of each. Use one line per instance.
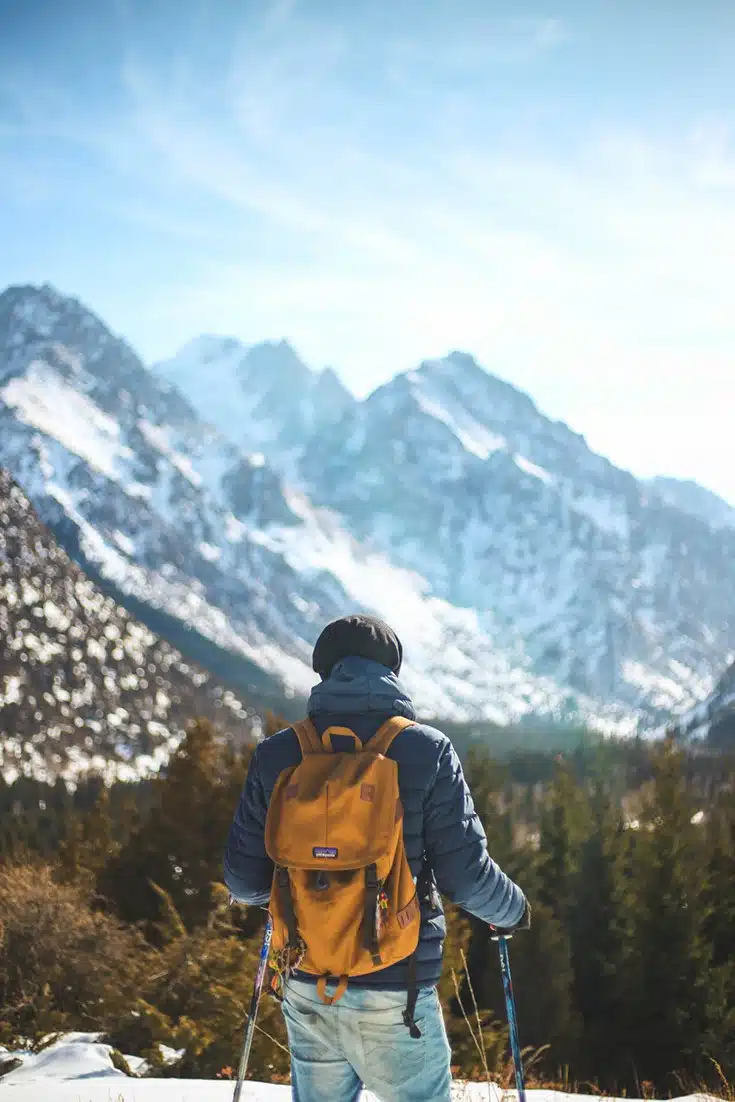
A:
(381, 189)
(520, 255)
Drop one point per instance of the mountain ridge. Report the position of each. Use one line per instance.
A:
(557, 583)
(176, 517)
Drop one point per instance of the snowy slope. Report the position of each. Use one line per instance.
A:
(77, 1068)
(82, 684)
(145, 492)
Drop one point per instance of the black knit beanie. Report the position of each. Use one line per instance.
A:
(360, 637)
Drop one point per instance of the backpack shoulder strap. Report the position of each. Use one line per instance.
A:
(309, 740)
(381, 741)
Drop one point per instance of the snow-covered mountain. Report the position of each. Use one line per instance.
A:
(236, 492)
(208, 544)
(135, 483)
(82, 684)
(610, 586)
(459, 476)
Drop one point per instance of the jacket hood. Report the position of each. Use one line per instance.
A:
(359, 685)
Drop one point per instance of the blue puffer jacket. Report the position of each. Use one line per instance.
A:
(440, 826)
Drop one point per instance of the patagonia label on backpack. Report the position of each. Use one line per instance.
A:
(325, 851)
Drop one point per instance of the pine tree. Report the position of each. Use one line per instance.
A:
(88, 842)
(565, 824)
(719, 927)
(179, 846)
(598, 941)
(543, 985)
(668, 970)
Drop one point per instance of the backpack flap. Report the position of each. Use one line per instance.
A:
(333, 811)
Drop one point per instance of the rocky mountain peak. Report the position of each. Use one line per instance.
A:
(36, 316)
(261, 397)
(329, 388)
(275, 362)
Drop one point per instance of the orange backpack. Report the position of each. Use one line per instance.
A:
(343, 902)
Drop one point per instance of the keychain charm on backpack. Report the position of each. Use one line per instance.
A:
(381, 910)
(282, 964)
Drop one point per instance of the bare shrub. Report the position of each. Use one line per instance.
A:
(63, 965)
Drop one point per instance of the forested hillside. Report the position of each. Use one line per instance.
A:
(626, 978)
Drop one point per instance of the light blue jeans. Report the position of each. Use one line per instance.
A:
(362, 1041)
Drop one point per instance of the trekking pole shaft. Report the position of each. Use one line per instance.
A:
(510, 1005)
(253, 1012)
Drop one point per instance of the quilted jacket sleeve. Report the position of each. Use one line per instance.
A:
(456, 847)
(248, 869)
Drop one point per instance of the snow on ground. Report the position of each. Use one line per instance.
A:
(79, 1069)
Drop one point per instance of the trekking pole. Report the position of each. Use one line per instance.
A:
(253, 1012)
(510, 1005)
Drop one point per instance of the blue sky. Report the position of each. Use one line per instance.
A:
(550, 186)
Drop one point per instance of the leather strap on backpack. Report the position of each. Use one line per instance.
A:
(321, 989)
(343, 732)
(284, 890)
(369, 922)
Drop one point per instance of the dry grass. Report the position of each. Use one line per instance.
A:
(502, 1075)
(62, 966)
